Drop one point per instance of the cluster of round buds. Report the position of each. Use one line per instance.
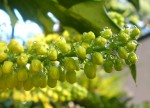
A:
(117, 18)
(61, 93)
(44, 64)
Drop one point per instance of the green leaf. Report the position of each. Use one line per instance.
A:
(93, 15)
(85, 16)
(11, 13)
(45, 22)
(69, 3)
(135, 3)
(133, 71)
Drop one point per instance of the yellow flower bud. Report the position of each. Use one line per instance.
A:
(3, 56)
(7, 67)
(36, 66)
(22, 60)
(15, 47)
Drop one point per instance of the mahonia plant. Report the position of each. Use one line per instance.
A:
(45, 62)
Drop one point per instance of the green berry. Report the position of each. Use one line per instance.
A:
(52, 55)
(77, 38)
(88, 37)
(85, 45)
(131, 45)
(11, 80)
(135, 33)
(70, 64)
(40, 80)
(107, 33)
(63, 46)
(3, 84)
(108, 66)
(35, 80)
(71, 77)
(100, 41)
(127, 31)
(97, 58)
(90, 70)
(51, 82)
(122, 52)
(36, 66)
(28, 84)
(62, 75)
(53, 72)
(123, 36)
(118, 64)
(80, 52)
(22, 74)
(132, 58)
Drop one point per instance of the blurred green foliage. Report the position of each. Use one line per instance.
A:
(83, 15)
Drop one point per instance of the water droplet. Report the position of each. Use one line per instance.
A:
(105, 28)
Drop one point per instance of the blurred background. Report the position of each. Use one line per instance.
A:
(25, 20)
